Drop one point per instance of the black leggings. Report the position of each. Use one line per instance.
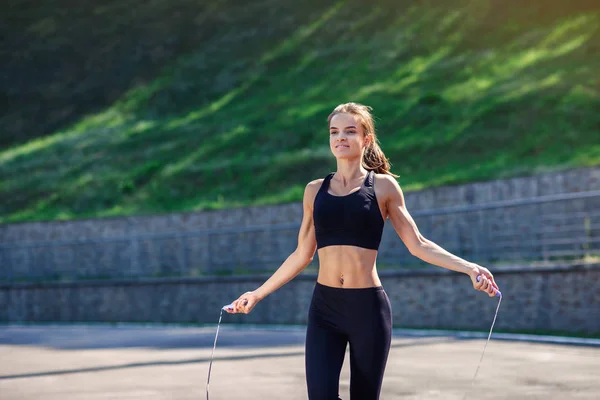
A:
(337, 316)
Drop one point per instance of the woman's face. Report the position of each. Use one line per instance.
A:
(346, 136)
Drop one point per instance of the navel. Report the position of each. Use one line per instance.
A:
(342, 279)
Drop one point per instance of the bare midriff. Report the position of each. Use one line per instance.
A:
(348, 267)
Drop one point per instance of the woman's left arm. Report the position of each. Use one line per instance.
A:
(425, 249)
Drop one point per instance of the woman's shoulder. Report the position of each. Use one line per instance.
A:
(385, 184)
(314, 185)
(387, 178)
(311, 190)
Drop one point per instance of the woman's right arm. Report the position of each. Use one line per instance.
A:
(295, 263)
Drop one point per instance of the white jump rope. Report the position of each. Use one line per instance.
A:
(498, 294)
(230, 307)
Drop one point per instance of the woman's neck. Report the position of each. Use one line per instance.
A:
(349, 171)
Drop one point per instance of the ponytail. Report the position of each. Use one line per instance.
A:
(374, 159)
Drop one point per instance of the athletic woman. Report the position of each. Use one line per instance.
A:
(343, 220)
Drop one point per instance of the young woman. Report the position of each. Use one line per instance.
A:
(343, 219)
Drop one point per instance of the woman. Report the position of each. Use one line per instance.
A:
(343, 219)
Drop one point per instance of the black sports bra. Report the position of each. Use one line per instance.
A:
(354, 219)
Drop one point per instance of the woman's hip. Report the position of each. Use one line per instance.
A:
(346, 307)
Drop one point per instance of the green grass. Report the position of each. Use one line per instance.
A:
(462, 91)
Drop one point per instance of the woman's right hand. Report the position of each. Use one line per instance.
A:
(244, 304)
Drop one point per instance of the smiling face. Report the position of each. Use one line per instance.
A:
(346, 136)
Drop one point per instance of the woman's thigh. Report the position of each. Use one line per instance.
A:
(370, 341)
(324, 355)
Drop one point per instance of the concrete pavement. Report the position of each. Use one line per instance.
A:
(129, 362)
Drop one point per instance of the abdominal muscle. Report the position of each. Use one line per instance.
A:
(348, 267)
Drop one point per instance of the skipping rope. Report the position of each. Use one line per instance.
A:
(498, 294)
(230, 306)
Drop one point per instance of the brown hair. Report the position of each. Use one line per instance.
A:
(373, 157)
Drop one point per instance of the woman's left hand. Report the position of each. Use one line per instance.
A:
(486, 283)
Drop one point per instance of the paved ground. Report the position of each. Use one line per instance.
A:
(101, 362)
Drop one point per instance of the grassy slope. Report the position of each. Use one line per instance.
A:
(464, 90)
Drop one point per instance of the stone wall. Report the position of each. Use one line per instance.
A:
(552, 300)
(260, 238)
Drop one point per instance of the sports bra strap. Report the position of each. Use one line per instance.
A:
(325, 184)
(369, 180)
